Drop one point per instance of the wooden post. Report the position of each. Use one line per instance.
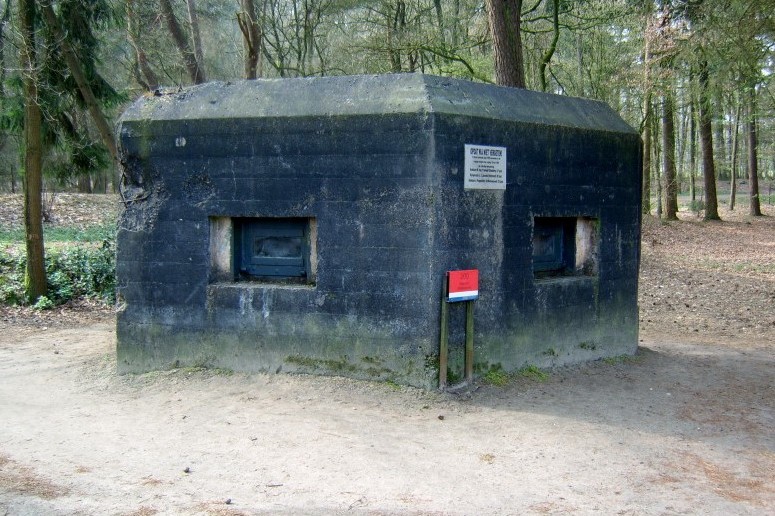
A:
(469, 359)
(444, 336)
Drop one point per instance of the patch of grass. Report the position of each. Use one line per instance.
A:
(551, 352)
(765, 268)
(716, 265)
(84, 234)
(621, 359)
(220, 371)
(497, 377)
(533, 373)
(588, 345)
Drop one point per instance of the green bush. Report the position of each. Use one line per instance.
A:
(12, 278)
(43, 303)
(73, 271)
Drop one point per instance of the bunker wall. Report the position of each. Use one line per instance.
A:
(554, 173)
(369, 172)
(365, 184)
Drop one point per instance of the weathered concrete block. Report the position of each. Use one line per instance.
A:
(357, 185)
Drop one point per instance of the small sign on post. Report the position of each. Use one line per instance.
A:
(463, 285)
(458, 286)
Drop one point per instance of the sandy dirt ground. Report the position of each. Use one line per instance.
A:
(687, 426)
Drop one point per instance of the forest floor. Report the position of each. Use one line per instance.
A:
(684, 427)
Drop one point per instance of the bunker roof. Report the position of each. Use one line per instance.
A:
(372, 95)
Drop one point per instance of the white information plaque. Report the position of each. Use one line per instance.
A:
(485, 167)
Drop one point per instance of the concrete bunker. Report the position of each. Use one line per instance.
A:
(306, 225)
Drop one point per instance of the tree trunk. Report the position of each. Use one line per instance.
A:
(646, 199)
(74, 66)
(3, 24)
(194, 68)
(706, 144)
(196, 37)
(755, 208)
(646, 128)
(692, 146)
(456, 24)
(657, 168)
(733, 151)
(251, 37)
(731, 102)
(720, 148)
(668, 157)
(440, 21)
(146, 76)
(580, 63)
(395, 23)
(682, 137)
(547, 56)
(505, 18)
(35, 274)
(84, 184)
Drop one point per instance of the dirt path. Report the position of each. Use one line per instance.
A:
(683, 428)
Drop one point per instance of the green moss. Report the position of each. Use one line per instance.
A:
(393, 385)
(332, 366)
(453, 377)
(376, 372)
(212, 371)
(205, 362)
(303, 361)
(148, 345)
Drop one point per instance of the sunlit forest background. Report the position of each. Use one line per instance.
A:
(663, 65)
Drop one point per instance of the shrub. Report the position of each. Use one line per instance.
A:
(73, 272)
(82, 271)
(43, 303)
(12, 278)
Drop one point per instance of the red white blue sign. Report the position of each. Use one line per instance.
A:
(463, 285)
